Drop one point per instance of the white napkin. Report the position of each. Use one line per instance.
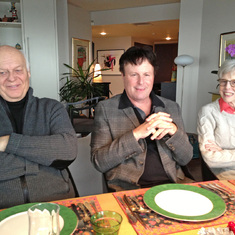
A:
(215, 231)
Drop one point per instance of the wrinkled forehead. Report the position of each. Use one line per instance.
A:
(228, 75)
(9, 59)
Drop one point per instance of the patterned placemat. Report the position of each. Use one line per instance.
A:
(232, 181)
(87, 229)
(161, 225)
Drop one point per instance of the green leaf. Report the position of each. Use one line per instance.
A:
(79, 84)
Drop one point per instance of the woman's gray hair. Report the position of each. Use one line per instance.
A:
(227, 67)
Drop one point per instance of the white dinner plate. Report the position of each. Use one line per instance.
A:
(20, 222)
(14, 220)
(184, 202)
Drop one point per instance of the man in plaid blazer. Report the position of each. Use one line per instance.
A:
(139, 139)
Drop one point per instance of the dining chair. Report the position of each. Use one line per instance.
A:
(81, 114)
(87, 179)
(206, 173)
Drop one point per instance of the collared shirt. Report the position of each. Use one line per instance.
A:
(154, 173)
(225, 107)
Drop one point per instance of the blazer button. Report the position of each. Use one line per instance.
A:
(171, 147)
(141, 163)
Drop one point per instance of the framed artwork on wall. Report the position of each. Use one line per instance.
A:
(227, 47)
(80, 53)
(109, 59)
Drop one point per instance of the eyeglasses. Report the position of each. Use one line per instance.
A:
(223, 82)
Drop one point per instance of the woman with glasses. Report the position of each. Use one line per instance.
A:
(216, 126)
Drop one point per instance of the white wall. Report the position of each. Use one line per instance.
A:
(201, 23)
(40, 36)
(62, 31)
(79, 27)
(189, 43)
(216, 20)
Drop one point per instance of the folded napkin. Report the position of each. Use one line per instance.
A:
(215, 231)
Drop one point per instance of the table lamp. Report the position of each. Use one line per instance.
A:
(183, 60)
(97, 73)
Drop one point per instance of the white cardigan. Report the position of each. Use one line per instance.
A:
(219, 127)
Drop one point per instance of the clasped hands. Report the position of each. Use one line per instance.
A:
(158, 124)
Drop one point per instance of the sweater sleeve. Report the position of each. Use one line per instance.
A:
(57, 148)
(211, 125)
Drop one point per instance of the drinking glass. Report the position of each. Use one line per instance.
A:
(106, 222)
(44, 219)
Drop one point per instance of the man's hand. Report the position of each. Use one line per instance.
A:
(212, 146)
(157, 124)
(3, 142)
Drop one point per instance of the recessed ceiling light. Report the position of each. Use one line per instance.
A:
(103, 33)
(168, 38)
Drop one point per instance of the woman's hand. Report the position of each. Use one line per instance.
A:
(212, 146)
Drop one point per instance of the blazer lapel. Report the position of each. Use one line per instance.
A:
(129, 112)
(159, 109)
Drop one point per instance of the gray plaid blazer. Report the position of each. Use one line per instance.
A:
(115, 151)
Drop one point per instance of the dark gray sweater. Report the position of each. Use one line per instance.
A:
(39, 155)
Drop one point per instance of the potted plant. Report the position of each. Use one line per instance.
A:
(79, 84)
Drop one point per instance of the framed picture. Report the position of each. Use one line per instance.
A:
(109, 59)
(80, 53)
(227, 45)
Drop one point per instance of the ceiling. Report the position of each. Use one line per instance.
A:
(103, 5)
(155, 31)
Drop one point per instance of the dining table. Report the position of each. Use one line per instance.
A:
(156, 223)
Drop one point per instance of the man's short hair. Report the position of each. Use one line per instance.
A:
(136, 55)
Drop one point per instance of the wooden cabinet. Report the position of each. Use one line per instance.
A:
(103, 89)
(166, 54)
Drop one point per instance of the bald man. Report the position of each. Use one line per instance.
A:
(37, 140)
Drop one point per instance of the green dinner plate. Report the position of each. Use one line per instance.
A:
(69, 217)
(184, 202)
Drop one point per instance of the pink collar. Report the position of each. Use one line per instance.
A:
(225, 107)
